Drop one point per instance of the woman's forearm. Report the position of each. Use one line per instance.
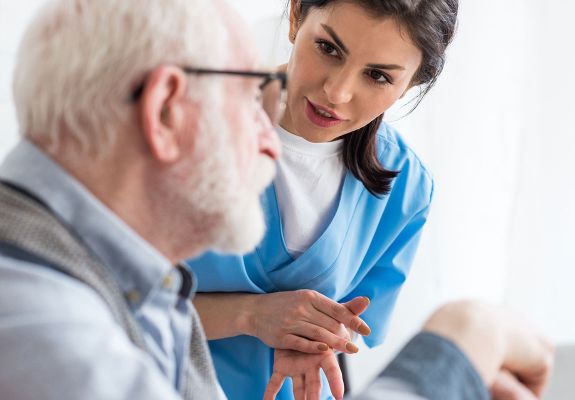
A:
(302, 320)
(225, 315)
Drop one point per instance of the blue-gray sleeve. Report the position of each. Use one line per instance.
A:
(431, 367)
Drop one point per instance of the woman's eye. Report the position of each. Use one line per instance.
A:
(378, 76)
(327, 48)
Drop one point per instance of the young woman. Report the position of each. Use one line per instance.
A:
(346, 210)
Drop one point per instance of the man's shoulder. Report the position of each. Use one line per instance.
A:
(26, 288)
(58, 331)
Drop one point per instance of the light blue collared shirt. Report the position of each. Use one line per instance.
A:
(58, 339)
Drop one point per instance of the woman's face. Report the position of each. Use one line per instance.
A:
(346, 68)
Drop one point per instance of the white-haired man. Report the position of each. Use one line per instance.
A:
(144, 143)
(137, 151)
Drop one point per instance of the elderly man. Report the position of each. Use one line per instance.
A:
(145, 142)
(132, 158)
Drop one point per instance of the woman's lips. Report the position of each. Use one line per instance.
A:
(320, 120)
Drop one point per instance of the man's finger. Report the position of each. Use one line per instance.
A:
(506, 386)
(298, 383)
(313, 385)
(274, 386)
(334, 377)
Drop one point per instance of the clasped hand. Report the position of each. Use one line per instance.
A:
(305, 328)
(307, 321)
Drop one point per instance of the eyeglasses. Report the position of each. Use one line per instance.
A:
(272, 94)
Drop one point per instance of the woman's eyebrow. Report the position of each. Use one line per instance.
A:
(343, 47)
(386, 66)
(335, 38)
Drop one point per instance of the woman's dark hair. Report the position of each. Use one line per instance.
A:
(430, 25)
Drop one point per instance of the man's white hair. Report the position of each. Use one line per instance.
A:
(80, 60)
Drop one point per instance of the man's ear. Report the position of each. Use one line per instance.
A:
(294, 19)
(161, 112)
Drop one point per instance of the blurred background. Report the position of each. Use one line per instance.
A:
(496, 132)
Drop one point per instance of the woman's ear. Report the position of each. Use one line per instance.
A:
(294, 19)
(160, 112)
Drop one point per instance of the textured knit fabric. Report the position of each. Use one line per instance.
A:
(32, 231)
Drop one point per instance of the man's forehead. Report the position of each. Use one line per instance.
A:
(242, 47)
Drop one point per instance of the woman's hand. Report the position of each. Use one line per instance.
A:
(302, 320)
(307, 321)
(304, 369)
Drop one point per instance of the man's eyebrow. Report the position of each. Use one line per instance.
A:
(335, 38)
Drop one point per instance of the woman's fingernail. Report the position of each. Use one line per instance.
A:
(364, 330)
(322, 347)
(352, 348)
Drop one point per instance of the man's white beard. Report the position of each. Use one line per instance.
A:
(228, 215)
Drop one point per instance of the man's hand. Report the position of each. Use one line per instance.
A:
(511, 357)
(304, 369)
(507, 387)
(527, 362)
(306, 321)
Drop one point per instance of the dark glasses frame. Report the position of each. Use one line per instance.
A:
(268, 77)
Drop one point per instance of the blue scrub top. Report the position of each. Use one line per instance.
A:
(366, 250)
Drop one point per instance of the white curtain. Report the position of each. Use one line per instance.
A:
(497, 133)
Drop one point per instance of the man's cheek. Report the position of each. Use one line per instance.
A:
(247, 156)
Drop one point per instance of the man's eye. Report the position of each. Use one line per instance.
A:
(327, 48)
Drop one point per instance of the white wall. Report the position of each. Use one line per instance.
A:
(13, 17)
(496, 131)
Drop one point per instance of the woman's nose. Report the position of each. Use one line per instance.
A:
(339, 88)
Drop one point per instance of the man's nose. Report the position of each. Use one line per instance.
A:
(268, 140)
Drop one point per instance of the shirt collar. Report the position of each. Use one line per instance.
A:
(300, 145)
(136, 265)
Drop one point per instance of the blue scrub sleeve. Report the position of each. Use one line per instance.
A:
(383, 282)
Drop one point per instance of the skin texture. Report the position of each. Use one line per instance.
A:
(321, 72)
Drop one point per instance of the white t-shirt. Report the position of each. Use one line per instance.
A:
(308, 184)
